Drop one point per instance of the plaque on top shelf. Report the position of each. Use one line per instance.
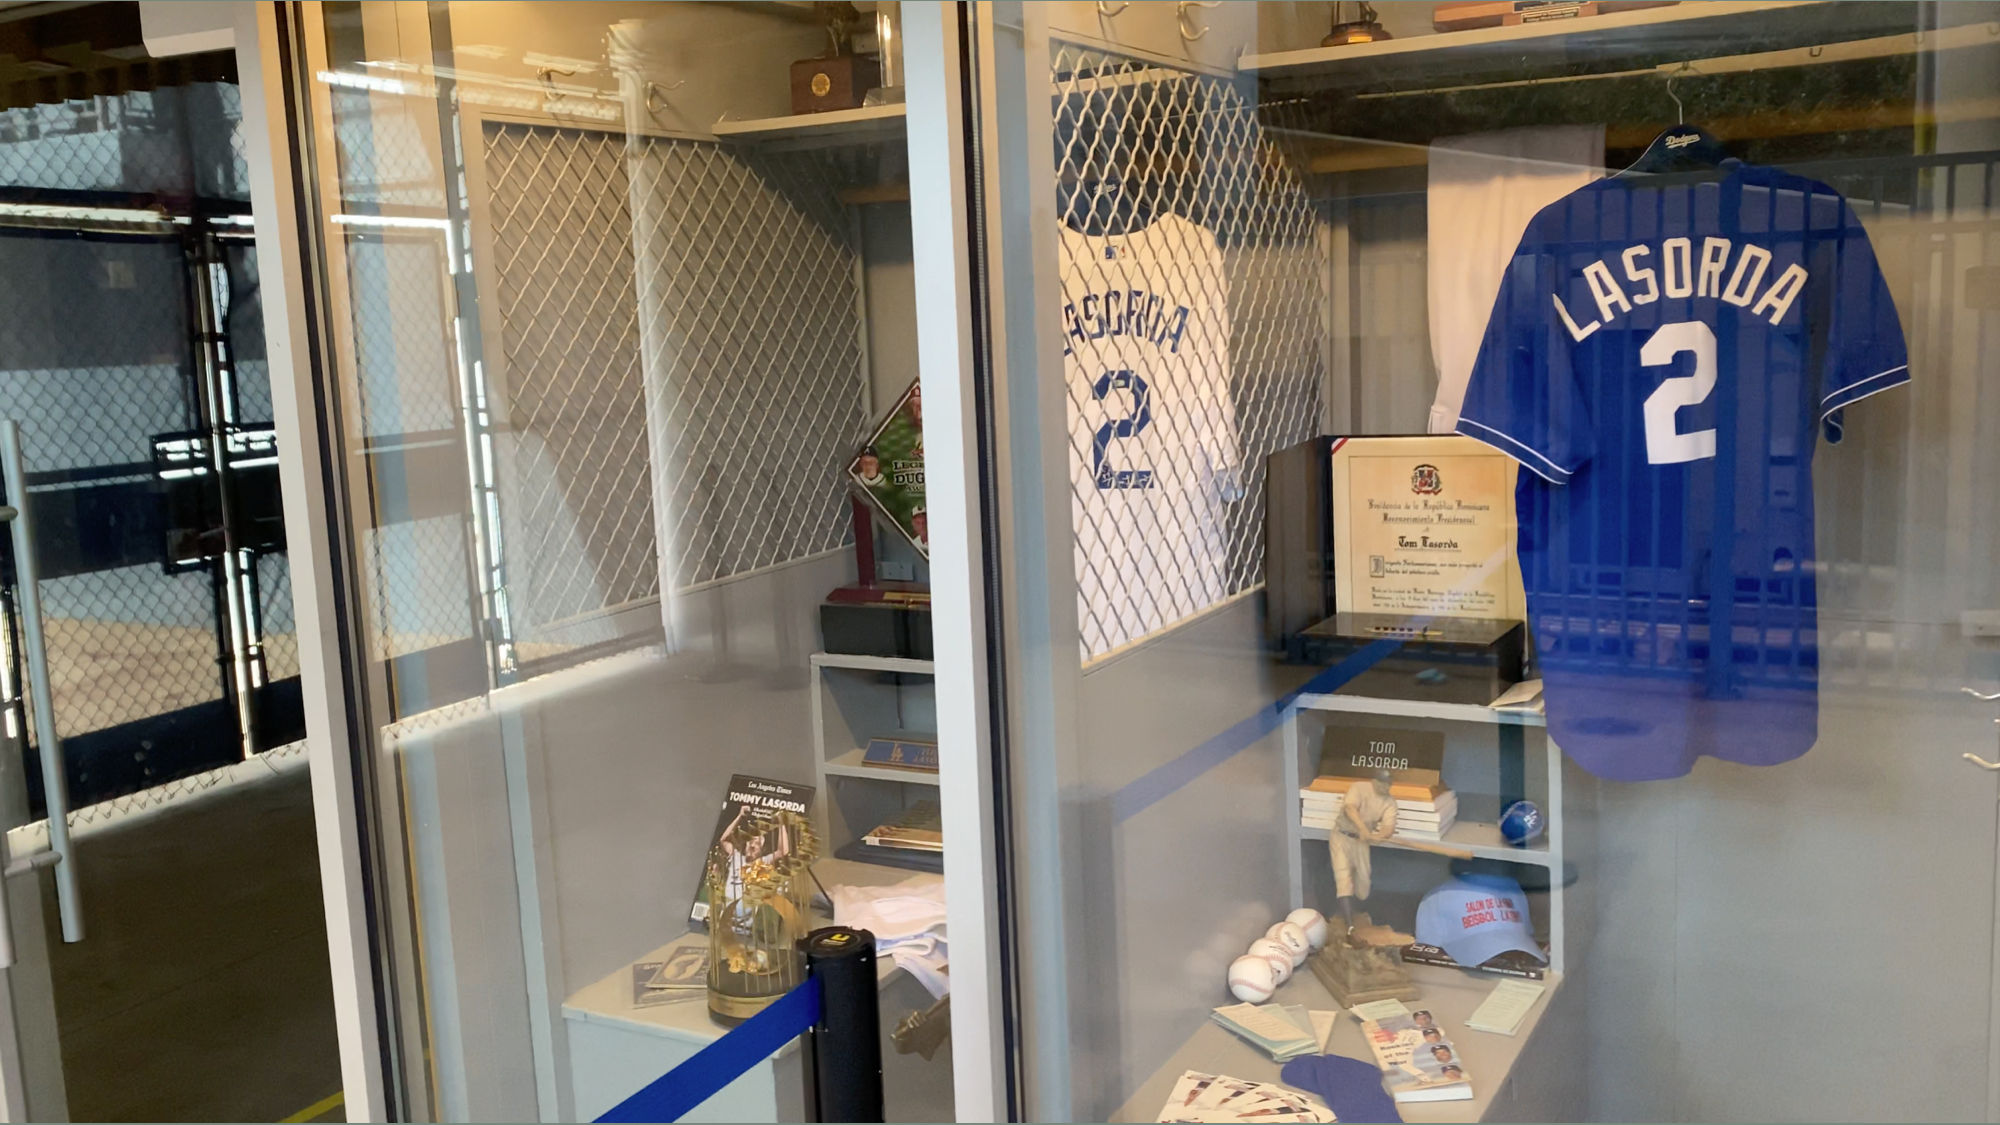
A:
(1423, 528)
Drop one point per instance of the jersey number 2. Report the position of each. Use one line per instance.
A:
(1665, 443)
(1129, 426)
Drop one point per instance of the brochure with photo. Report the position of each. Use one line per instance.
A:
(1419, 1063)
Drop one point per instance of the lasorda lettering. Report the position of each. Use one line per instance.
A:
(1718, 269)
(1158, 320)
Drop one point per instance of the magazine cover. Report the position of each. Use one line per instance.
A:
(745, 794)
(889, 470)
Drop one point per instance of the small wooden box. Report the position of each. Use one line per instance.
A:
(839, 82)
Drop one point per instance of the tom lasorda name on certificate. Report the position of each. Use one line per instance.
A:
(1424, 527)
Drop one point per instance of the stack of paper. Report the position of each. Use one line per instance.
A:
(1282, 1031)
(1524, 696)
(1505, 1007)
(1204, 1098)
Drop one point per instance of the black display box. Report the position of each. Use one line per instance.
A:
(1445, 660)
(877, 628)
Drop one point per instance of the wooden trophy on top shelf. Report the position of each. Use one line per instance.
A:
(1360, 961)
(873, 616)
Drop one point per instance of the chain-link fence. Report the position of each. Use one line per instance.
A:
(682, 391)
(420, 590)
(750, 327)
(575, 486)
(99, 365)
(94, 334)
(176, 140)
(1193, 289)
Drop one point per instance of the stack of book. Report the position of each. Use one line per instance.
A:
(913, 838)
(1423, 812)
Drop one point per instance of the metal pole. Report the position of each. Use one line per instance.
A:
(55, 786)
(843, 1051)
(214, 376)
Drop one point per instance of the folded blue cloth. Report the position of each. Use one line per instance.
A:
(1351, 1088)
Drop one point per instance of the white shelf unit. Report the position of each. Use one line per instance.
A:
(1618, 41)
(835, 126)
(1481, 838)
(854, 699)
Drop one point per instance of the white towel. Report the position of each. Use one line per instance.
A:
(908, 922)
(1484, 188)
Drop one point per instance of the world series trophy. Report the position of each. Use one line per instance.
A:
(1359, 963)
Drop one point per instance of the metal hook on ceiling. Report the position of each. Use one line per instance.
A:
(1183, 16)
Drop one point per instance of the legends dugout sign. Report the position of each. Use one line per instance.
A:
(889, 470)
(1424, 527)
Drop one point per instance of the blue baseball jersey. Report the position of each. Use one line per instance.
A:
(1662, 355)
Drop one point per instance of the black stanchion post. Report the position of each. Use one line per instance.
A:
(843, 1051)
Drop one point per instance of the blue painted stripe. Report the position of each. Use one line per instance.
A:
(1158, 783)
(670, 1096)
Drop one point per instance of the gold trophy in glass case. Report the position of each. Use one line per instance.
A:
(760, 887)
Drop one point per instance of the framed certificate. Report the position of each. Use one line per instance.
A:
(1424, 527)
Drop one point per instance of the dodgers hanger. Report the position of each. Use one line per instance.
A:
(1682, 147)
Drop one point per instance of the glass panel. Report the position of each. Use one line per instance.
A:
(166, 945)
(616, 302)
(1478, 345)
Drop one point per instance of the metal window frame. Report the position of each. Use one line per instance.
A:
(276, 47)
(1011, 466)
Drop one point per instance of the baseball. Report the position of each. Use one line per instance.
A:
(1252, 979)
(1293, 938)
(1310, 920)
(1279, 957)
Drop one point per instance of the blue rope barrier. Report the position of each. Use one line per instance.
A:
(670, 1096)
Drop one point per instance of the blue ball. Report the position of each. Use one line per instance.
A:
(1522, 822)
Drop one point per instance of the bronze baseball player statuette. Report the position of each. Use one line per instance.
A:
(1359, 963)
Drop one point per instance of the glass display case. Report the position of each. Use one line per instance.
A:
(1438, 559)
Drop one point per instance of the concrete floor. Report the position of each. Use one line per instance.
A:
(202, 992)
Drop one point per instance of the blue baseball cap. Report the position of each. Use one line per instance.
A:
(1476, 918)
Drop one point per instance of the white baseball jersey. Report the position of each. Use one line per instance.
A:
(1153, 440)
